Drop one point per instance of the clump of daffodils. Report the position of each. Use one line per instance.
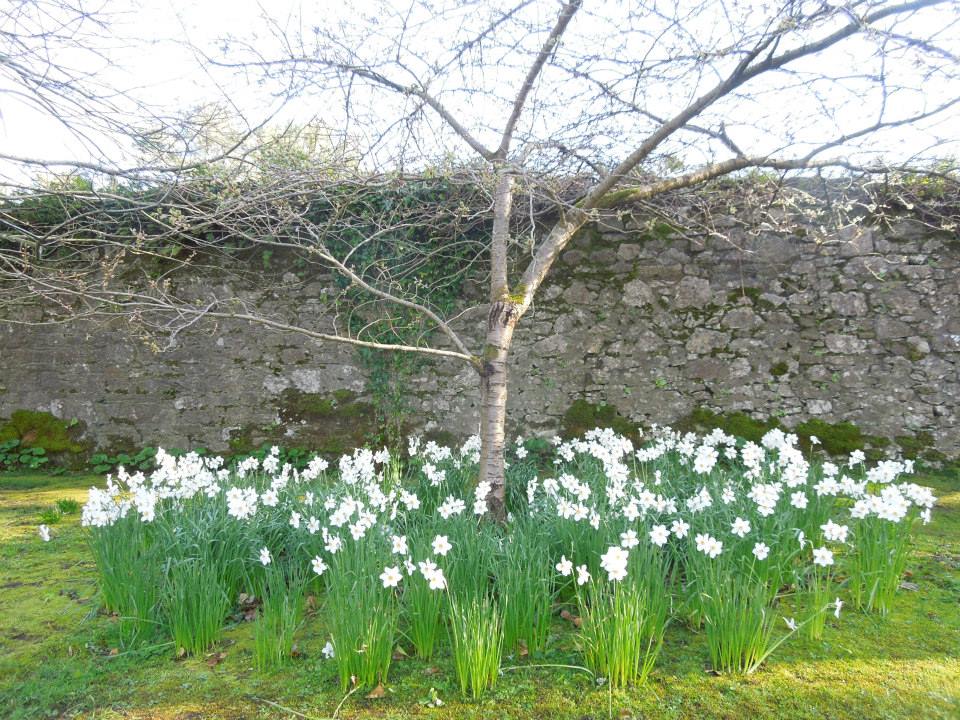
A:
(712, 505)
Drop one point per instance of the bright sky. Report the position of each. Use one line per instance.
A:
(147, 54)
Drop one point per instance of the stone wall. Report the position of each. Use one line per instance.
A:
(864, 328)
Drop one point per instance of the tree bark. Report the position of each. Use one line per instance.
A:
(493, 403)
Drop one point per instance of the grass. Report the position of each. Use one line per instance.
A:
(61, 657)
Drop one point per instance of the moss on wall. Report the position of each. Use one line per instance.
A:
(331, 424)
(780, 368)
(738, 424)
(582, 416)
(38, 429)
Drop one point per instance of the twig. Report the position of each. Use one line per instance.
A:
(286, 709)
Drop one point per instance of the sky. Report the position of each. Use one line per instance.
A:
(151, 51)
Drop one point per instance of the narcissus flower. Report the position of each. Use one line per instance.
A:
(391, 577)
(822, 556)
(441, 546)
(614, 561)
(761, 551)
(740, 527)
(583, 575)
(659, 535)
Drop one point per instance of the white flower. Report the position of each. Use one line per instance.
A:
(834, 532)
(333, 544)
(799, 500)
(295, 520)
(791, 623)
(614, 561)
(761, 551)
(629, 539)
(327, 650)
(391, 576)
(583, 575)
(441, 546)
(313, 525)
(822, 556)
(740, 527)
(265, 558)
(242, 502)
(270, 498)
(521, 452)
(837, 604)
(680, 528)
(659, 535)
(436, 579)
(399, 543)
(451, 506)
(814, 440)
(705, 459)
(564, 567)
(802, 539)
(319, 566)
(44, 533)
(709, 545)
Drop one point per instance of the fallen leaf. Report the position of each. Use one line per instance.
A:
(523, 652)
(181, 653)
(909, 586)
(295, 651)
(432, 671)
(399, 653)
(311, 603)
(115, 651)
(215, 659)
(377, 692)
(567, 615)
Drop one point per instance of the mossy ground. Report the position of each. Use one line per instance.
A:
(57, 651)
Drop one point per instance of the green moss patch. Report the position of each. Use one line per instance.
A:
(779, 369)
(583, 416)
(331, 424)
(738, 424)
(42, 430)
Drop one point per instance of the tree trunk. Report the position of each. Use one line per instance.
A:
(493, 404)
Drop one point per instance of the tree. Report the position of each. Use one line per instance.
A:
(572, 109)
